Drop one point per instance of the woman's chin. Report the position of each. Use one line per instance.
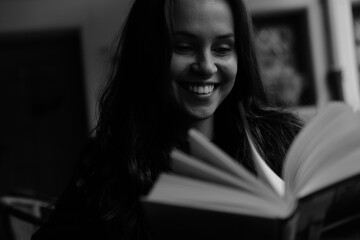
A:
(199, 114)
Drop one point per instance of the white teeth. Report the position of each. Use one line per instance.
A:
(201, 89)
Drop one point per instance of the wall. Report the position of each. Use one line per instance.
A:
(99, 22)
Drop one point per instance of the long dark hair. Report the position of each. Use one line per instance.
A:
(136, 128)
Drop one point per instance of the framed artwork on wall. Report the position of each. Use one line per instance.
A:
(282, 41)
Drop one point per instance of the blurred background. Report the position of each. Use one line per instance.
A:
(54, 57)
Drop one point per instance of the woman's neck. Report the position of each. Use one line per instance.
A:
(182, 125)
(205, 126)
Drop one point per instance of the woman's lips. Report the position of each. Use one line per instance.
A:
(199, 88)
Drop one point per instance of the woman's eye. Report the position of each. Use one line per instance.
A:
(183, 49)
(222, 51)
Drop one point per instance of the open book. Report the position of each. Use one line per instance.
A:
(209, 195)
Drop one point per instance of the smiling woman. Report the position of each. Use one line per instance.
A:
(204, 61)
(179, 64)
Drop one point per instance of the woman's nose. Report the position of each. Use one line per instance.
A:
(204, 65)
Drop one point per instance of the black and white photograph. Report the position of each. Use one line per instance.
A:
(180, 119)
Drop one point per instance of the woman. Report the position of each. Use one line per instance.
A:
(179, 64)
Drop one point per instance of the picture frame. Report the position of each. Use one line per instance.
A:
(282, 40)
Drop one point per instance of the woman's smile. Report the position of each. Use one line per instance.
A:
(199, 89)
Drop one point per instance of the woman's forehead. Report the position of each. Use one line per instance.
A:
(200, 14)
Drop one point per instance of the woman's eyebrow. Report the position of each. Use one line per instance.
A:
(184, 34)
(192, 35)
(226, 36)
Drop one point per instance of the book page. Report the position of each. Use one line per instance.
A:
(307, 139)
(182, 191)
(203, 149)
(338, 142)
(346, 167)
(185, 165)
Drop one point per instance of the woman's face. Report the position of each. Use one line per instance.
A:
(204, 60)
